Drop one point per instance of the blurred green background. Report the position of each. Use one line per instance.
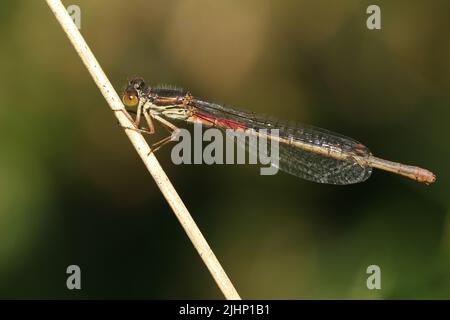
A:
(73, 190)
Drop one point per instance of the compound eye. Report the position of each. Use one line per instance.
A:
(130, 97)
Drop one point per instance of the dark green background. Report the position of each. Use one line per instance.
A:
(73, 190)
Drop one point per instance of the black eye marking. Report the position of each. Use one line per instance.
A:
(137, 84)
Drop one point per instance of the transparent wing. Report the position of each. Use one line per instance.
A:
(317, 168)
(311, 166)
(297, 161)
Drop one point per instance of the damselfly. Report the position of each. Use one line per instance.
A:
(308, 152)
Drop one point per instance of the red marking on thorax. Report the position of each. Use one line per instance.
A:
(210, 120)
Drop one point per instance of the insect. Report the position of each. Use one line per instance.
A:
(308, 152)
